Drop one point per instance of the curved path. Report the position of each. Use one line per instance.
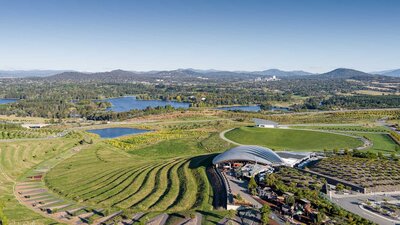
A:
(222, 136)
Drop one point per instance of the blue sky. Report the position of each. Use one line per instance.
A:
(98, 35)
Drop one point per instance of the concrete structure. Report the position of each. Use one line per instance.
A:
(249, 153)
(294, 159)
(265, 123)
(34, 126)
(263, 156)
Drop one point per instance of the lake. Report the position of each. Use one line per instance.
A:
(251, 108)
(116, 132)
(124, 104)
(6, 101)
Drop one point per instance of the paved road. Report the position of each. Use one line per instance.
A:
(240, 187)
(352, 204)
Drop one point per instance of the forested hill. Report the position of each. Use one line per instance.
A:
(394, 73)
(120, 76)
(171, 76)
(111, 76)
(343, 73)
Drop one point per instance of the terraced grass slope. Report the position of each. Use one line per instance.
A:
(14, 131)
(291, 139)
(17, 158)
(107, 177)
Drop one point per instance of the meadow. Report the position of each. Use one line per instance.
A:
(291, 139)
(378, 135)
(18, 158)
(162, 171)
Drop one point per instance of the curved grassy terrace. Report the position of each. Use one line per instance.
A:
(291, 139)
(107, 177)
(17, 158)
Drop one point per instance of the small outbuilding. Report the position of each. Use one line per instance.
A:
(265, 123)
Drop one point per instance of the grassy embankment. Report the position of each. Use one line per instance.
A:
(163, 171)
(17, 158)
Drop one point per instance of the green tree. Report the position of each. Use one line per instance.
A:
(340, 187)
(271, 179)
(393, 156)
(3, 218)
(252, 186)
(265, 211)
(231, 214)
(319, 218)
(290, 200)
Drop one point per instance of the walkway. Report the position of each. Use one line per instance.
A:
(222, 136)
(240, 187)
(352, 204)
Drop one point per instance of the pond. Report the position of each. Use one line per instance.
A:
(125, 104)
(116, 132)
(251, 108)
(6, 101)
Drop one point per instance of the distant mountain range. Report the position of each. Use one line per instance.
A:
(270, 72)
(392, 73)
(281, 73)
(215, 74)
(29, 73)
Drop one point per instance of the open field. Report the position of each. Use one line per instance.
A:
(381, 143)
(291, 139)
(16, 158)
(372, 92)
(378, 135)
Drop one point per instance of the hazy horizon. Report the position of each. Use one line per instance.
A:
(314, 36)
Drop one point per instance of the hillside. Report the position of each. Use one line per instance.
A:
(343, 73)
(123, 76)
(393, 73)
(28, 73)
(281, 73)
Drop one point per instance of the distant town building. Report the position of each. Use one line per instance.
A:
(273, 78)
(265, 123)
(34, 126)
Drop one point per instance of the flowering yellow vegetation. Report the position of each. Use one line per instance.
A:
(137, 141)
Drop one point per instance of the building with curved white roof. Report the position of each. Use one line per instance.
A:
(250, 153)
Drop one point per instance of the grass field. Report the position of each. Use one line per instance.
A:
(17, 158)
(160, 173)
(163, 176)
(376, 134)
(291, 139)
(381, 142)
